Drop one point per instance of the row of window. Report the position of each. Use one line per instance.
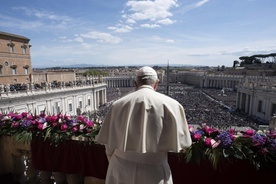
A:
(14, 71)
(24, 48)
(57, 108)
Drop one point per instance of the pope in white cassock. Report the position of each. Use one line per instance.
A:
(138, 132)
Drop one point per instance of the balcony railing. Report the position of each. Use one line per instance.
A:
(74, 162)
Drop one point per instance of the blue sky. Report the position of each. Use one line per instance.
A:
(138, 32)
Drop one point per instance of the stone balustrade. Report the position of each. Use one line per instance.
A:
(31, 89)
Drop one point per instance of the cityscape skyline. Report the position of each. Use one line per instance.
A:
(152, 32)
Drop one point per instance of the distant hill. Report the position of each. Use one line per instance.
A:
(83, 65)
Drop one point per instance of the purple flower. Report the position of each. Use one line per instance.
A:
(258, 140)
(41, 120)
(25, 123)
(225, 138)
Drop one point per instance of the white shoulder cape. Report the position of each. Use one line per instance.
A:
(145, 121)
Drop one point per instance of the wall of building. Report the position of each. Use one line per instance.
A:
(67, 100)
(257, 97)
(15, 59)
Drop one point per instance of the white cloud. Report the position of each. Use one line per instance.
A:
(166, 21)
(78, 39)
(154, 11)
(41, 14)
(64, 39)
(149, 25)
(130, 21)
(102, 37)
(121, 28)
(38, 20)
(194, 5)
(200, 3)
(169, 41)
(159, 39)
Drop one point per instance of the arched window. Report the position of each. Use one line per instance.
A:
(13, 67)
(26, 69)
(24, 48)
(11, 45)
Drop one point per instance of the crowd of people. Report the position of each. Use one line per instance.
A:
(207, 105)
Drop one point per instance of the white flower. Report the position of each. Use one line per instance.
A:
(6, 118)
(44, 125)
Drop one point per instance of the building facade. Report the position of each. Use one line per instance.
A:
(15, 59)
(256, 96)
(73, 100)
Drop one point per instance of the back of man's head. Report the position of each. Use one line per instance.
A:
(146, 76)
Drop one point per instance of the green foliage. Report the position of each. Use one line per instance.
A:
(94, 72)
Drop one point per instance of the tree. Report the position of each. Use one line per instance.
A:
(235, 63)
(95, 73)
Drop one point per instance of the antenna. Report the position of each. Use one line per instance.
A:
(168, 77)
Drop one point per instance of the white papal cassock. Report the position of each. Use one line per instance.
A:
(138, 132)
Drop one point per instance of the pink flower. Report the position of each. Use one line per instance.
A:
(75, 128)
(16, 124)
(207, 142)
(89, 124)
(11, 114)
(231, 131)
(209, 130)
(196, 137)
(249, 132)
(53, 118)
(80, 118)
(40, 126)
(18, 116)
(29, 117)
(64, 127)
(24, 114)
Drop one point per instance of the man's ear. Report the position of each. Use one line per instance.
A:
(135, 84)
(156, 84)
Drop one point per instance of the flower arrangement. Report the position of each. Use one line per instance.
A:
(56, 128)
(208, 143)
(215, 145)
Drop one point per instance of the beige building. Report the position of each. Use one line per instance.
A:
(15, 59)
(42, 76)
(256, 97)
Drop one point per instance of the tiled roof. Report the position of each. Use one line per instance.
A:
(13, 35)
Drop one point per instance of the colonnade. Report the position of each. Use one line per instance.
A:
(222, 81)
(116, 82)
(257, 97)
(71, 100)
